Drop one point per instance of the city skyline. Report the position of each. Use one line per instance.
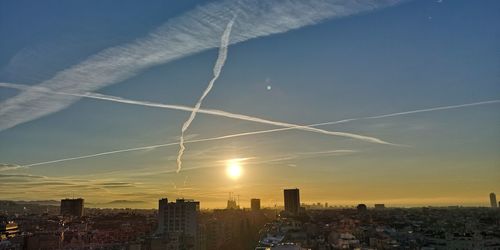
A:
(382, 102)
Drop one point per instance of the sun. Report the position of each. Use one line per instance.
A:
(234, 170)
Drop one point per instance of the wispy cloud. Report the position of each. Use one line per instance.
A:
(328, 152)
(256, 161)
(267, 131)
(307, 155)
(16, 176)
(219, 64)
(54, 187)
(189, 109)
(8, 167)
(116, 184)
(190, 33)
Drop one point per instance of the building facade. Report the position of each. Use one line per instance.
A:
(176, 217)
(493, 200)
(255, 204)
(72, 207)
(292, 201)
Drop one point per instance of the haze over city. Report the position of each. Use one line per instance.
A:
(393, 102)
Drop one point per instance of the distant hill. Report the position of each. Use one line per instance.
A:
(44, 203)
(119, 204)
(126, 202)
(40, 203)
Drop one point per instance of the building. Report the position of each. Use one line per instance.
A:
(179, 217)
(361, 207)
(8, 229)
(45, 240)
(255, 204)
(292, 201)
(231, 204)
(379, 206)
(493, 200)
(72, 207)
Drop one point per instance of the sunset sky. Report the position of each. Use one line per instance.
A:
(289, 61)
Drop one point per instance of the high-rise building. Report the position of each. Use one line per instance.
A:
(72, 207)
(180, 216)
(292, 201)
(255, 204)
(493, 200)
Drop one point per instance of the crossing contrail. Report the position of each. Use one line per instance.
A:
(268, 131)
(219, 64)
(192, 32)
(214, 112)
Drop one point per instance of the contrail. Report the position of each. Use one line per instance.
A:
(268, 131)
(190, 109)
(187, 34)
(369, 117)
(219, 64)
(432, 109)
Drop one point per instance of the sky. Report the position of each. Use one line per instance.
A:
(289, 63)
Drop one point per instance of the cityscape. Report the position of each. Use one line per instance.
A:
(180, 224)
(249, 125)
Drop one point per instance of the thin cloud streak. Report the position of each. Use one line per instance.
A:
(306, 155)
(205, 111)
(9, 167)
(270, 131)
(219, 64)
(256, 161)
(190, 33)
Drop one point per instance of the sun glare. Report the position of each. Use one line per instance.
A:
(233, 170)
